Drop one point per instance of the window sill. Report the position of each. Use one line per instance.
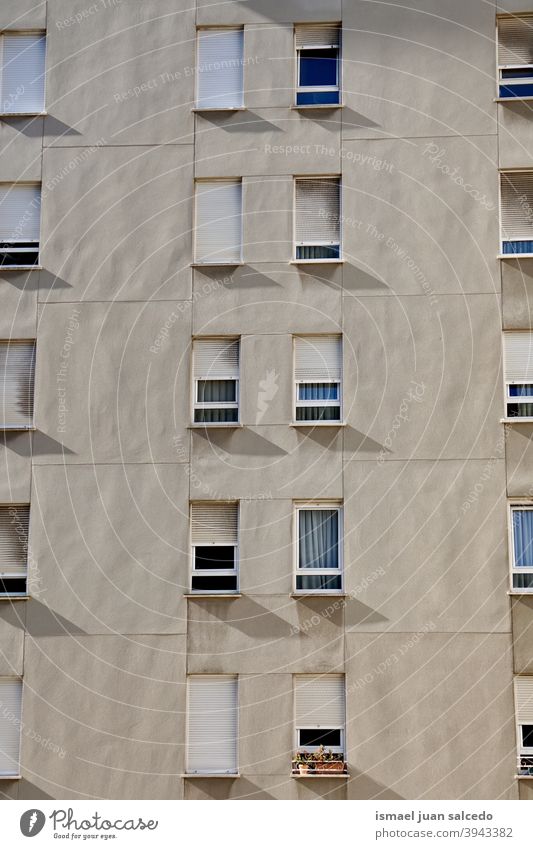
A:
(22, 114)
(511, 99)
(16, 428)
(518, 420)
(221, 263)
(306, 776)
(520, 592)
(524, 777)
(319, 424)
(212, 596)
(219, 425)
(20, 268)
(320, 261)
(514, 256)
(13, 598)
(313, 106)
(210, 775)
(218, 109)
(318, 594)
(10, 777)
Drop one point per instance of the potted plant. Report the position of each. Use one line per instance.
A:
(328, 761)
(303, 762)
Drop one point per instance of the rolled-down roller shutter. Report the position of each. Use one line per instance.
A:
(14, 526)
(218, 221)
(517, 206)
(20, 212)
(220, 68)
(22, 72)
(319, 701)
(515, 40)
(214, 524)
(10, 717)
(323, 35)
(518, 356)
(524, 699)
(317, 358)
(17, 367)
(317, 213)
(216, 359)
(212, 724)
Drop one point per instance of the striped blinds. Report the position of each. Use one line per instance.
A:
(10, 716)
(14, 527)
(317, 358)
(523, 685)
(20, 212)
(323, 35)
(22, 72)
(17, 367)
(515, 40)
(317, 210)
(220, 68)
(214, 523)
(319, 701)
(218, 221)
(212, 724)
(518, 356)
(216, 359)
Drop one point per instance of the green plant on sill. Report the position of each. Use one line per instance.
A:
(323, 756)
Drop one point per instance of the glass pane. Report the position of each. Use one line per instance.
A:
(12, 586)
(523, 582)
(523, 537)
(318, 583)
(217, 415)
(520, 389)
(519, 246)
(318, 67)
(317, 252)
(326, 737)
(318, 414)
(213, 583)
(319, 539)
(519, 410)
(527, 735)
(318, 391)
(310, 98)
(516, 73)
(210, 391)
(214, 557)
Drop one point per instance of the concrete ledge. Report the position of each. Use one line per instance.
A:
(221, 264)
(324, 775)
(218, 425)
(219, 109)
(20, 268)
(209, 775)
(23, 114)
(318, 595)
(517, 419)
(320, 424)
(308, 106)
(212, 596)
(321, 261)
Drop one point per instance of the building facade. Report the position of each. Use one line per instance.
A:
(262, 487)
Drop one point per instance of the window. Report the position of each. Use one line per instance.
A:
(317, 219)
(10, 725)
(518, 373)
(23, 72)
(216, 381)
(522, 547)
(219, 77)
(515, 56)
(17, 367)
(317, 373)
(215, 537)
(319, 710)
(516, 212)
(218, 222)
(20, 205)
(14, 525)
(212, 725)
(317, 64)
(318, 548)
(523, 690)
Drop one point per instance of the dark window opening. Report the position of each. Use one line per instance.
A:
(327, 737)
(214, 557)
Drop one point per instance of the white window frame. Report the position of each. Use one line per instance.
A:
(514, 66)
(20, 576)
(297, 382)
(512, 506)
(339, 571)
(508, 382)
(210, 573)
(14, 242)
(12, 775)
(215, 405)
(230, 774)
(326, 244)
(337, 750)
(308, 89)
(503, 172)
(40, 32)
(218, 28)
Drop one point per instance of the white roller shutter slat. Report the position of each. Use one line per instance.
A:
(518, 356)
(317, 36)
(17, 367)
(319, 701)
(517, 206)
(14, 526)
(10, 717)
(218, 221)
(23, 72)
(515, 40)
(212, 724)
(524, 699)
(216, 359)
(20, 212)
(215, 524)
(317, 358)
(220, 68)
(318, 211)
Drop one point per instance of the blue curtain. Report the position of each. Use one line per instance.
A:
(523, 537)
(319, 539)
